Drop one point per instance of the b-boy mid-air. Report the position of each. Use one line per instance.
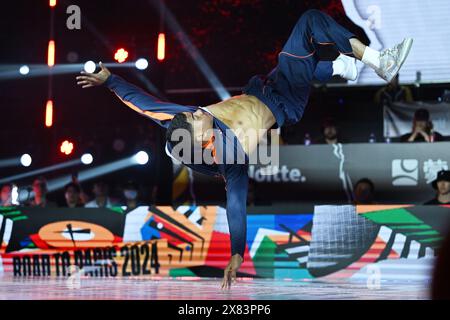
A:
(276, 99)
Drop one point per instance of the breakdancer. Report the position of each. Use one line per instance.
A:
(274, 100)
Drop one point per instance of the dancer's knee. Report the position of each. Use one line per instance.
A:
(309, 15)
(312, 12)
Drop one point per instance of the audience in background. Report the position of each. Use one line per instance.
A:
(393, 92)
(72, 195)
(40, 194)
(330, 133)
(84, 198)
(101, 193)
(6, 195)
(131, 195)
(422, 129)
(364, 192)
(442, 186)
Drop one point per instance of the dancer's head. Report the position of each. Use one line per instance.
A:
(193, 126)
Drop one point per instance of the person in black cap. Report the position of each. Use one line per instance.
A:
(422, 129)
(442, 185)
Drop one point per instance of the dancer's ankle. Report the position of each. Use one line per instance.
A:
(371, 58)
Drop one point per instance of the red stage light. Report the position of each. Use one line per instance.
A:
(161, 46)
(121, 55)
(49, 114)
(51, 53)
(52, 3)
(66, 147)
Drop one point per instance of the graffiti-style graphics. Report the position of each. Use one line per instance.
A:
(358, 242)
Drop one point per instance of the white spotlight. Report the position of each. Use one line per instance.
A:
(24, 70)
(141, 157)
(87, 158)
(25, 160)
(141, 64)
(90, 67)
(15, 195)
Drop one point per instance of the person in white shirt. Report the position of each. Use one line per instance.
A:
(101, 196)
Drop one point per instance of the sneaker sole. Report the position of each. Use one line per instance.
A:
(405, 53)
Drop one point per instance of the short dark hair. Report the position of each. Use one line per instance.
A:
(42, 181)
(130, 185)
(72, 185)
(327, 122)
(179, 121)
(422, 115)
(368, 181)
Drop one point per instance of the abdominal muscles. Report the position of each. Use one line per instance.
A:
(247, 116)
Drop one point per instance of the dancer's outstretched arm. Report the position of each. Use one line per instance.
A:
(134, 97)
(236, 178)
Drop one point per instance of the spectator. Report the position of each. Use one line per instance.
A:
(329, 132)
(131, 195)
(364, 192)
(393, 92)
(422, 129)
(442, 185)
(72, 195)
(6, 195)
(84, 198)
(102, 199)
(40, 194)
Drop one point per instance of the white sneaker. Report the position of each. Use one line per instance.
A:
(392, 59)
(350, 71)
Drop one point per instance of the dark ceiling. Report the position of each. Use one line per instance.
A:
(237, 38)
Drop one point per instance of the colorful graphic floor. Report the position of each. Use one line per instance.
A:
(207, 289)
(329, 252)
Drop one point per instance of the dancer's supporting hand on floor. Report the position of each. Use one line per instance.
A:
(230, 271)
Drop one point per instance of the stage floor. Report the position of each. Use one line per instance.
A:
(205, 289)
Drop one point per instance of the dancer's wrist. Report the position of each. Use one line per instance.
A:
(107, 83)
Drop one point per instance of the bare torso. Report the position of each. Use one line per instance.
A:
(247, 117)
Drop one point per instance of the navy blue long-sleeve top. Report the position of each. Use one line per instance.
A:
(234, 174)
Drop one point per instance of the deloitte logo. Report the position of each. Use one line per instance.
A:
(275, 174)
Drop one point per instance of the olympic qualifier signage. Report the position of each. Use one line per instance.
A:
(324, 174)
(297, 242)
